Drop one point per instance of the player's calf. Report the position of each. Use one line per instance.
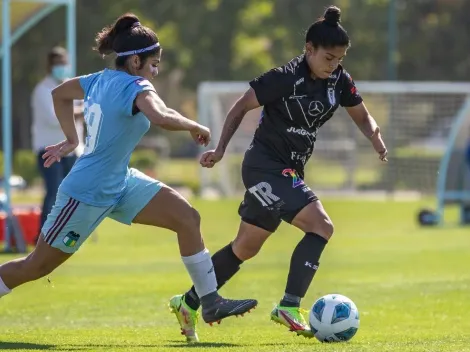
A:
(249, 240)
(305, 259)
(41, 262)
(226, 265)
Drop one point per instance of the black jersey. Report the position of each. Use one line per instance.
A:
(295, 106)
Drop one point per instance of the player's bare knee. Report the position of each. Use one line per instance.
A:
(323, 228)
(196, 218)
(188, 220)
(327, 229)
(193, 218)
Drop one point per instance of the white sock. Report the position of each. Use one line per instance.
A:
(202, 273)
(4, 290)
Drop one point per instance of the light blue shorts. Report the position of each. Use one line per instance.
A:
(71, 222)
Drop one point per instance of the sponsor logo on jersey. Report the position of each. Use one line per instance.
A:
(315, 108)
(301, 156)
(301, 132)
(296, 180)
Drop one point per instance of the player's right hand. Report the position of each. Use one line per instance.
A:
(201, 135)
(210, 158)
(54, 153)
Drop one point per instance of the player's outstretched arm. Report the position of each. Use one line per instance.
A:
(245, 103)
(368, 126)
(152, 106)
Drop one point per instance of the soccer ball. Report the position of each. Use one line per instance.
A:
(334, 318)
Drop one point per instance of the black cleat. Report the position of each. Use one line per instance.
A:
(224, 308)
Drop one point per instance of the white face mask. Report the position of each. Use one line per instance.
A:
(60, 72)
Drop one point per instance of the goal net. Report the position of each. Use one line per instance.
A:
(415, 118)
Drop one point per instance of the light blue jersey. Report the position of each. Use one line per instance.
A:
(100, 184)
(101, 174)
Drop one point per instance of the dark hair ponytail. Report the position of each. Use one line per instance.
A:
(327, 32)
(126, 34)
(106, 37)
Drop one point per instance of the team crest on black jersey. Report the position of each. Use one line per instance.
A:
(332, 95)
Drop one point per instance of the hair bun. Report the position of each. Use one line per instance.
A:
(332, 16)
(126, 22)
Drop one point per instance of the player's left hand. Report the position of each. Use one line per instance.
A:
(379, 145)
(54, 153)
(383, 155)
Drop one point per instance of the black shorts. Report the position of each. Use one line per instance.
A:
(272, 196)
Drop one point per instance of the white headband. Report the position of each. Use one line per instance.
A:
(138, 51)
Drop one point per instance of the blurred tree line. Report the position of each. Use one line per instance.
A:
(239, 39)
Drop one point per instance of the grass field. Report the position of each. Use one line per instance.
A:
(410, 284)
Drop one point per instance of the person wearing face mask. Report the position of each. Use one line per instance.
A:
(46, 128)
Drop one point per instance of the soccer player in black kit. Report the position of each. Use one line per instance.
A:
(297, 99)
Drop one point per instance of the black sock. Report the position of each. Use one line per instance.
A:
(303, 266)
(226, 264)
(290, 300)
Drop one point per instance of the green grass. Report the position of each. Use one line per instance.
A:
(333, 175)
(410, 285)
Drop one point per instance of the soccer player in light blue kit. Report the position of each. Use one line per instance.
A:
(120, 104)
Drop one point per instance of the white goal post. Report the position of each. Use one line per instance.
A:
(415, 118)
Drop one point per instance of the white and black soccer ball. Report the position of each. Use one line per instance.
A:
(334, 318)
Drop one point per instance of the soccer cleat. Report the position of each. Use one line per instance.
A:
(224, 308)
(292, 318)
(187, 318)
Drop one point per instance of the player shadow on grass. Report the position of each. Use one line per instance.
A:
(180, 344)
(36, 346)
(173, 344)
